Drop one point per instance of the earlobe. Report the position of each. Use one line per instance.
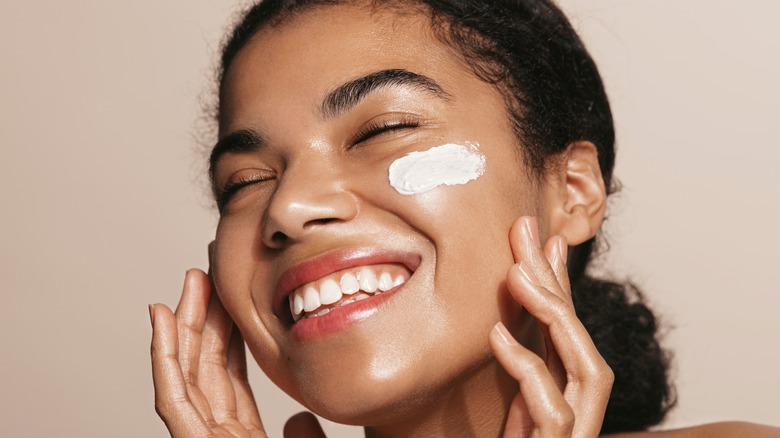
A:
(580, 197)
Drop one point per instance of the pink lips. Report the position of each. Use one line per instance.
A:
(321, 266)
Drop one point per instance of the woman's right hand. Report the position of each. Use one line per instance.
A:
(199, 370)
(564, 394)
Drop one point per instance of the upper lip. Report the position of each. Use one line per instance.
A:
(324, 264)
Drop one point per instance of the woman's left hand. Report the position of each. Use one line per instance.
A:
(566, 393)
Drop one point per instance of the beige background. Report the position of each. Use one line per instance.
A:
(103, 205)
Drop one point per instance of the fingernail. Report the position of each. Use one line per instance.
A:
(151, 314)
(563, 249)
(503, 334)
(527, 273)
(532, 229)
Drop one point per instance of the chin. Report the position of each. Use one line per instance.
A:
(388, 382)
(368, 401)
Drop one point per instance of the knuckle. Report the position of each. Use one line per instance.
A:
(599, 371)
(599, 378)
(559, 307)
(213, 359)
(562, 421)
(557, 312)
(162, 409)
(187, 325)
(168, 407)
(190, 376)
(533, 364)
(607, 375)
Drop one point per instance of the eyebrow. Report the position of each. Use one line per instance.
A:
(348, 95)
(245, 140)
(341, 99)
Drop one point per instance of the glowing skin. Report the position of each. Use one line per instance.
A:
(446, 165)
(319, 206)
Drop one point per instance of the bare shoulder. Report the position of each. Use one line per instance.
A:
(726, 429)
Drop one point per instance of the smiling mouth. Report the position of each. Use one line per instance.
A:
(344, 287)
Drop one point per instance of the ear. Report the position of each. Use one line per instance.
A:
(576, 198)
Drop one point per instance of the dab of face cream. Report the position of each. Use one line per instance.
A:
(449, 164)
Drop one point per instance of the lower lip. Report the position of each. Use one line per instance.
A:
(341, 318)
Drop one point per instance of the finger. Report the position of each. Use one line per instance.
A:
(190, 318)
(555, 251)
(550, 265)
(171, 399)
(303, 424)
(214, 382)
(566, 331)
(554, 362)
(518, 422)
(526, 247)
(246, 407)
(588, 377)
(551, 414)
(542, 286)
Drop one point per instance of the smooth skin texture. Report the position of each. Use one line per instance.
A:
(428, 342)
(201, 388)
(200, 370)
(328, 193)
(431, 361)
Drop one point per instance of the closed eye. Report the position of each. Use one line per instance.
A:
(381, 128)
(226, 193)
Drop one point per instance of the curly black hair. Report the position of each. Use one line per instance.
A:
(555, 96)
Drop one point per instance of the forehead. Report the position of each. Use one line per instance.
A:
(299, 60)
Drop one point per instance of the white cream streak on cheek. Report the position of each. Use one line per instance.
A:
(448, 164)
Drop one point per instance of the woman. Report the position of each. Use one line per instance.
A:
(372, 159)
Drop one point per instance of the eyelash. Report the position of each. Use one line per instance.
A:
(230, 189)
(372, 130)
(375, 129)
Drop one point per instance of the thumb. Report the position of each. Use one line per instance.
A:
(303, 424)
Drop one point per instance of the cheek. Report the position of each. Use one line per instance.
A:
(237, 269)
(445, 165)
(426, 188)
(235, 257)
(468, 225)
(453, 194)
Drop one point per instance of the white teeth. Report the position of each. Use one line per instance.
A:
(297, 306)
(308, 301)
(368, 281)
(349, 284)
(330, 292)
(311, 298)
(385, 282)
(322, 312)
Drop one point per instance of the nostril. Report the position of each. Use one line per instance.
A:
(279, 237)
(323, 221)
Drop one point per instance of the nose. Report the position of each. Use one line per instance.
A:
(308, 199)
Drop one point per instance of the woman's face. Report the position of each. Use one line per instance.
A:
(314, 112)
